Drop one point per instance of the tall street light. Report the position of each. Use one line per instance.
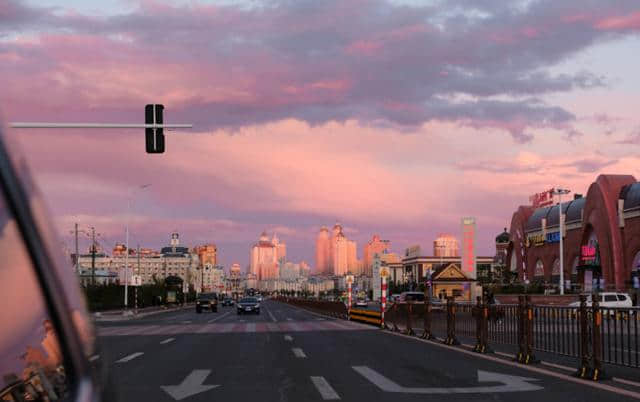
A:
(559, 192)
(126, 255)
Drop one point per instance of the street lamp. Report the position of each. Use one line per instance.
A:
(126, 246)
(559, 192)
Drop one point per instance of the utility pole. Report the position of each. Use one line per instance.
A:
(138, 274)
(77, 255)
(93, 256)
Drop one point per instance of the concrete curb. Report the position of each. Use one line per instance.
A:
(132, 316)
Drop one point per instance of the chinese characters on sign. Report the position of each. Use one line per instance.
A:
(588, 254)
(542, 199)
(469, 247)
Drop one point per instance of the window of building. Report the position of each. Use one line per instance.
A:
(538, 273)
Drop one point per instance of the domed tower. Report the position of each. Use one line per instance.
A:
(446, 245)
(500, 259)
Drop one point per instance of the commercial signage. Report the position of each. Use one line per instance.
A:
(553, 237)
(588, 253)
(542, 199)
(469, 246)
(535, 240)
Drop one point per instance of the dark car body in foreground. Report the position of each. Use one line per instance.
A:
(248, 305)
(207, 301)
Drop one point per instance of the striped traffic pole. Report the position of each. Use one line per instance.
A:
(383, 288)
(349, 298)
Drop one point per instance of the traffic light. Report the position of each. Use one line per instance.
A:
(154, 136)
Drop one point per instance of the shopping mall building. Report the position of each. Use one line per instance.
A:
(601, 238)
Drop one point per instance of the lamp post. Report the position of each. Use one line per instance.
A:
(559, 192)
(126, 254)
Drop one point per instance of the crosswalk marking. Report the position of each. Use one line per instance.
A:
(222, 328)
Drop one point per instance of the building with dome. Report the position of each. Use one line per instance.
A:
(601, 238)
(266, 256)
(446, 245)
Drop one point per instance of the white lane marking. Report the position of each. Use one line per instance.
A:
(289, 319)
(510, 383)
(185, 322)
(191, 385)
(558, 366)
(167, 341)
(242, 320)
(272, 317)
(219, 318)
(298, 353)
(130, 357)
(538, 370)
(320, 319)
(326, 391)
(94, 358)
(628, 382)
(288, 338)
(251, 327)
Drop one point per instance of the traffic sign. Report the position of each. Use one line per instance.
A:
(349, 279)
(384, 272)
(154, 137)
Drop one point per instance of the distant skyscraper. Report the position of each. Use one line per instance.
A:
(373, 247)
(340, 253)
(264, 258)
(322, 251)
(352, 257)
(446, 245)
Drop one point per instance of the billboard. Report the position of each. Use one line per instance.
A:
(543, 199)
(469, 247)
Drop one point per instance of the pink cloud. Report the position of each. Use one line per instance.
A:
(620, 22)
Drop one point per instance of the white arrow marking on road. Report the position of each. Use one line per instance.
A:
(190, 386)
(510, 383)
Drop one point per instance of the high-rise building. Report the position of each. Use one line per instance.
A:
(281, 250)
(373, 247)
(352, 257)
(264, 257)
(322, 251)
(340, 253)
(446, 245)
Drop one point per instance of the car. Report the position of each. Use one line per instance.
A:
(608, 300)
(260, 298)
(47, 347)
(411, 297)
(361, 303)
(206, 301)
(227, 301)
(248, 305)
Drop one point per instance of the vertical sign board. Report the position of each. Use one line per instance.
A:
(469, 247)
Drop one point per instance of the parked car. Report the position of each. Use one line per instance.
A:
(608, 300)
(227, 301)
(411, 297)
(206, 301)
(248, 305)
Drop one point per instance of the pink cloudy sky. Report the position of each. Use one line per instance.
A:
(393, 117)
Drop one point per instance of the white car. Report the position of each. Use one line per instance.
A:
(361, 303)
(608, 300)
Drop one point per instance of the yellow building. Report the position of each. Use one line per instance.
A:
(449, 280)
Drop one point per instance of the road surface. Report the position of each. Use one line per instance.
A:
(287, 354)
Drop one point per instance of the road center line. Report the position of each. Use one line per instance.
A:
(167, 341)
(272, 317)
(219, 318)
(325, 390)
(130, 357)
(298, 353)
(288, 338)
(289, 319)
(94, 358)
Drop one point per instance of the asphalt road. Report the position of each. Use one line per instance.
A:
(287, 354)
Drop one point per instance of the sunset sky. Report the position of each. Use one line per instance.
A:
(392, 117)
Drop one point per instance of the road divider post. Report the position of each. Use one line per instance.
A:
(451, 322)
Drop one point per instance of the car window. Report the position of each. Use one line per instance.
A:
(32, 366)
(610, 298)
(622, 297)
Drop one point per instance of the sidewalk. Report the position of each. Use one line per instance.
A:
(122, 315)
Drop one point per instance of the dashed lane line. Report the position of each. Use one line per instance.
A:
(130, 357)
(167, 341)
(271, 316)
(94, 358)
(289, 319)
(288, 338)
(219, 318)
(298, 353)
(325, 390)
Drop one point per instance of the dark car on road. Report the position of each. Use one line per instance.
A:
(207, 301)
(249, 305)
(227, 301)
